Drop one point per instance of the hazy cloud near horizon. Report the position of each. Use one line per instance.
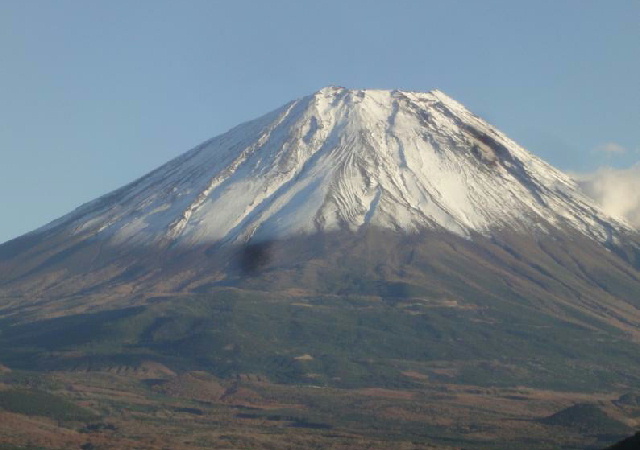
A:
(616, 190)
(611, 148)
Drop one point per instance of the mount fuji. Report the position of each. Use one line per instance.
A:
(403, 206)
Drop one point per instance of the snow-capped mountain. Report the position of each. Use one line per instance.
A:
(351, 239)
(408, 189)
(340, 159)
(362, 227)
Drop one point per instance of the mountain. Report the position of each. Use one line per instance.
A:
(373, 231)
(340, 160)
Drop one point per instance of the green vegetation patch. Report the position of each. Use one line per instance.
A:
(19, 447)
(38, 403)
(344, 341)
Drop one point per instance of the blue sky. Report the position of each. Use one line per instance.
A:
(95, 94)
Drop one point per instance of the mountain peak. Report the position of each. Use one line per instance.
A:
(331, 89)
(341, 159)
(334, 90)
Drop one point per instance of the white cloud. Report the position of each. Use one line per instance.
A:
(610, 148)
(616, 190)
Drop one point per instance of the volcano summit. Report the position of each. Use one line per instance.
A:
(339, 160)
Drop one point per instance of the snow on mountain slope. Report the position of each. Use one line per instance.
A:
(340, 159)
